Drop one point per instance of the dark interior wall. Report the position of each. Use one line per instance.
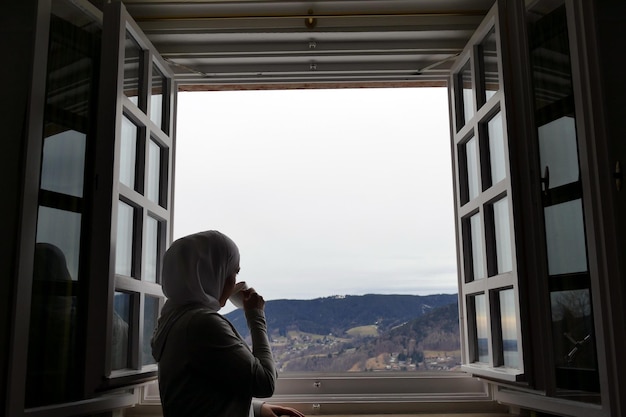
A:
(23, 90)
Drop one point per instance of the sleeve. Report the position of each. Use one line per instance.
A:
(256, 408)
(220, 354)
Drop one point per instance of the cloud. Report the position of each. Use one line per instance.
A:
(325, 191)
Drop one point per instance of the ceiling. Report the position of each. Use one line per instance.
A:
(266, 44)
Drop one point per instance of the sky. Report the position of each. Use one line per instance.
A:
(325, 192)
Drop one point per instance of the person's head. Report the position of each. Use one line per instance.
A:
(200, 268)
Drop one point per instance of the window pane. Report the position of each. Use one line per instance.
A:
(489, 57)
(502, 227)
(496, 149)
(468, 92)
(121, 330)
(133, 63)
(52, 346)
(150, 316)
(156, 96)
(558, 151)
(478, 251)
(63, 164)
(62, 229)
(572, 325)
(482, 341)
(508, 323)
(128, 153)
(473, 165)
(151, 250)
(154, 171)
(565, 238)
(124, 241)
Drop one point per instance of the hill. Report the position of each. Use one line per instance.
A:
(362, 333)
(337, 314)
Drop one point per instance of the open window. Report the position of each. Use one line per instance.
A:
(132, 202)
(488, 279)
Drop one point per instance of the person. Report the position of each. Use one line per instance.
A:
(205, 367)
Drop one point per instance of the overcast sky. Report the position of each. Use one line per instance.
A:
(324, 191)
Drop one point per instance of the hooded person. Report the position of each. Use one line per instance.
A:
(205, 366)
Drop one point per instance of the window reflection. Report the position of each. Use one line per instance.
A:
(54, 365)
(156, 96)
(121, 327)
(128, 152)
(502, 229)
(482, 337)
(467, 92)
(497, 156)
(565, 238)
(473, 166)
(569, 279)
(52, 340)
(124, 241)
(572, 325)
(151, 249)
(62, 229)
(150, 316)
(489, 59)
(154, 172)
(478, 251)
(133, 68)
(559, 152)
(508, 326)
(63, 163)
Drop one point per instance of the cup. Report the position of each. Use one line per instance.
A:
(237, 296)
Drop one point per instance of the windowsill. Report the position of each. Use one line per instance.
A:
(367, 393)
(503, 374)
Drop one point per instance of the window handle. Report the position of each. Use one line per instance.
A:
(618, 176)
(545, 180)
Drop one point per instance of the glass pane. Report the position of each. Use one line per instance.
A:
(128, 153)
(54, 366)
(489, 57)
(62, 229)
(473, 165)
(468, 92)
(565, 238)
(150, 316)
(150, 250)
(482, 337)
(154, 171)
(133, 64)
(572, 325)
(478, 249)
(63, 164)
(508, 323)
(497, 156)
(502, 227)
(52, 341)
(124, 241)
(121, 330)
(156, 96)
(558, 151)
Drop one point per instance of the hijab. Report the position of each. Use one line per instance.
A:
(195, 270)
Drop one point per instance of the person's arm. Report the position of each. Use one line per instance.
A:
(265, 373)
(224, 359)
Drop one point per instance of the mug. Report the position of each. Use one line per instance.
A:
(237, 296)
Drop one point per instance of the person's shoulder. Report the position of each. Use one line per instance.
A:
(204, 318)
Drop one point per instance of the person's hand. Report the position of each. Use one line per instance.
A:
(271, 410)
(252, 300)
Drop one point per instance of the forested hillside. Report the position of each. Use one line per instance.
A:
(363, 333)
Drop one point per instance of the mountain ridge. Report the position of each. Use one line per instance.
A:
(339, 313)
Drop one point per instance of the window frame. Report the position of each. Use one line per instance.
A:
(467, 205)
(118, 25)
